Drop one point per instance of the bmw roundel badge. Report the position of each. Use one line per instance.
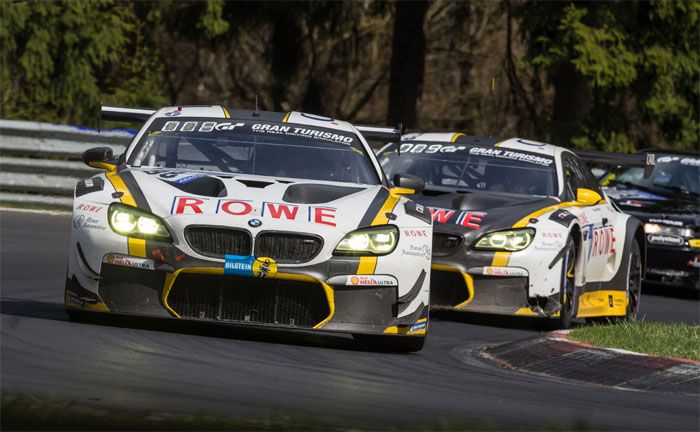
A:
(255, 223)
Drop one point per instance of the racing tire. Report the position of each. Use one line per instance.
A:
(390, 343)
(567, 291)
(634, 283)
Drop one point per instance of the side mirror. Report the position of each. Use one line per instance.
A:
(588, 197)
(99, 157)
(406, 182)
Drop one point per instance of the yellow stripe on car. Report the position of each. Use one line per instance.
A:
(455, 136)
(226, 114)
(369, 263)
(286, 117)
(137, 247)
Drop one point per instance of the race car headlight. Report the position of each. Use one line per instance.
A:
(652, 228)
(369, 241)
(511, 241)
(132, 222)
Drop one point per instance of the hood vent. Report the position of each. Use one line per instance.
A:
(301, 193)
(202, 185)
(255, 183)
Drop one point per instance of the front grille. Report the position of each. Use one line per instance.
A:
(447, 288)
(446, 244)
(216, 242)
(287, 247)
(248, 300)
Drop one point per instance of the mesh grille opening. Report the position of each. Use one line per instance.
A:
(447, 288)
(216, 242)
(287, 247)
(446, 244)
(249, 300)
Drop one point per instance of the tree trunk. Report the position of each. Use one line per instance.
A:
(407, 62)
(572, 103)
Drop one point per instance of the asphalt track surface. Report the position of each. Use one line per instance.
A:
(165, 366)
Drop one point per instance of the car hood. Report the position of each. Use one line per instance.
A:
(475, 212)
(184, 197)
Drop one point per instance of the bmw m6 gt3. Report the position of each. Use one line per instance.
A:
(521, 227)
(250, 218)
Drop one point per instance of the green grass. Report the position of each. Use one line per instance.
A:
(663, 339)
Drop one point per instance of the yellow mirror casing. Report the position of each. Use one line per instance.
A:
(587, 197)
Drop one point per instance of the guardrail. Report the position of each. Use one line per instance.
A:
(40, 162)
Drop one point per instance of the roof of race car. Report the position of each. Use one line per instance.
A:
(509, 143)
(217, 111)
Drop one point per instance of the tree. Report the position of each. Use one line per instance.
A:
(407, 61)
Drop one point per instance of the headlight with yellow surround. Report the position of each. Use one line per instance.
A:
(509, 241)
(133, 222)
(369, 241)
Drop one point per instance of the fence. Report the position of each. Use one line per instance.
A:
(40, 162)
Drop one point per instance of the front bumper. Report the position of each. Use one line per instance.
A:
(452, 288)
(315, 298)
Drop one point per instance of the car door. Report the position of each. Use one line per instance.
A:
(597, 233)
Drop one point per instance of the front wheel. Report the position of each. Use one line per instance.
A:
(567, 292)
(391, 343)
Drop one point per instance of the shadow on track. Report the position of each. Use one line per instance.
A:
(492, 320)
(56, 312)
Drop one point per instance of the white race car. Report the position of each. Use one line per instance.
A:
(252, 218)
(521, 227)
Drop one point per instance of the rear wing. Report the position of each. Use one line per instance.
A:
(121, 114)
(643, 160)
(381, 133)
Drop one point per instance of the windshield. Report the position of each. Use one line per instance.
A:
(672, 173)
(473, 167)
(259, 148)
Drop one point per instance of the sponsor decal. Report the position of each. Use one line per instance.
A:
(431, 148)
(86, 222)
(89, 208)
(188, 178)
(667, 222)
(305, 132)
(666, 239)
(417, 251)
(321, 215)
(562, 217)
(129, 261)
(87, 186)
(504, 271)
(255, 223)
(415, 233)
(71, 298)
(601, 241)
(249, 266)
(370, 280)
(465, 218)
(418, 326)
(552, 235)
(683, 160)
(511, 155)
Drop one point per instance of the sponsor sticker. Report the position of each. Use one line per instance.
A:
(666, 239)
(249, 266)
(417, 251)
(667, 222)
(465, 218)
(86, 222)
(129, 261)
(89, 208)
(371, 280)
(418, 326)
(504, 271)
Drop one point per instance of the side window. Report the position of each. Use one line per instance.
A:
(574, 176)
(590, 178)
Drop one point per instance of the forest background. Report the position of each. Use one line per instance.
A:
(616, 76)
